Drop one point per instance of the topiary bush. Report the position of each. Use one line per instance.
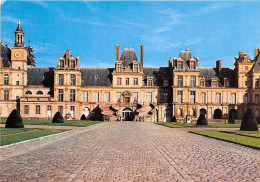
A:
(249, 122)
(58, 118)
(14, 120)
(83, 117)
(202, 120)
(174, 119)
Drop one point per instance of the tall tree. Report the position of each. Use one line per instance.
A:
(30, 53)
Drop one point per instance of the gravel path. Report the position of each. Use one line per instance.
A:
(130, 151)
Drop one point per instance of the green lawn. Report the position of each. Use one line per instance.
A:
(238, 139)
(13, 135)
(193, 125)
(247, 133)
(82, 123)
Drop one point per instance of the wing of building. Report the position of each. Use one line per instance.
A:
(129, 91)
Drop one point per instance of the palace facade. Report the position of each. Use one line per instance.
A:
(129, 91)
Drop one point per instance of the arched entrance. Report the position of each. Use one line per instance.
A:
(167, 115)
(86, 112)
(217, 114)
(203, 111)
(127, 114)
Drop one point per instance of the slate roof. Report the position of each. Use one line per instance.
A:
(186, 56)
(128, 56)
(257, 63)
(159, 74)
(6, 55)
(19, 27)
(40, 76)
(96, 76)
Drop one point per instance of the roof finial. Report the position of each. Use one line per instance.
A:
(19, 22)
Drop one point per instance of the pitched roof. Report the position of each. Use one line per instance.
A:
(128, 56)
(19, 27)
(257, 63)
(96, 76)
(40, 76)
(158, 73)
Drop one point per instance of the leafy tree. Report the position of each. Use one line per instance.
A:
(14, 120)
(30, 53)
(249, 122)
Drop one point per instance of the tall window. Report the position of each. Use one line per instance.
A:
(150, 83)
(203, 97)
(257, 98)
(165, 83)
(165, 97)
(85, 96)
(48, 108)
(6, 94)
(127, 81)
(60, 109)
(246, 98)
(135, 97)
(202, 83)
(218, 98)
(72, 79)
(107, 96)
(73, 65)
(38, 109)
(179, 99)
(192, 96)
(6, 79)
(119, 67)
(135, 67)
(118, 96)
(135, 81)
(61, 63)
(256, 113)
(233, 98)
(60, 95)
(96, 96)
(149, 97)
(61, 79)
(180, 65)
(257, 82)
(192, 65)
(26, 109)
(193, 81)
(72, 95)
(119, 81)
(180, 81)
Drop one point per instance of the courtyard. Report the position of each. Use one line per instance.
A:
(128, 151)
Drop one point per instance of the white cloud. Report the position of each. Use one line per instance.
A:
(91, 7)
(80, 20)
(40, 3)
(175, 19)
(9, 19)
(212, 7)
(132, 23)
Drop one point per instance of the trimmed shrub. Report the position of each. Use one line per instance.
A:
(174, 119)
(249, 122)
(202, 120)
(58, 118)
(83, 117)
(14, 120)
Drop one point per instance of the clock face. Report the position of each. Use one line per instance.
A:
(17, 54)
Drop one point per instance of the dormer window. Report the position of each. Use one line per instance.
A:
(119, 67)
(192, 65)
(135, 68)
(61, 63)
(73, 65)
(202, 83)
(165, 83)
(214, 83)
(150, 83)
(227, 83)
(180, 65)
(257, 82)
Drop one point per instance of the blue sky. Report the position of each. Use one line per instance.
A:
(212, 30)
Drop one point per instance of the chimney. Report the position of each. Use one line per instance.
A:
(117, 52)
(67, 53)
(170, 63)
(187, 49)
(218, 67)
(257, 51)
(142, 56)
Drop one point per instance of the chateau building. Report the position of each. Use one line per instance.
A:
(129, 91)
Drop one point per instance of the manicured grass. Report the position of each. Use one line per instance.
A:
(238, 139)
(82, 123)
(193, 125)
(13, 135)
(247, 133)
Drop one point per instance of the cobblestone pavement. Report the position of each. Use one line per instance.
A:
(129, 151)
